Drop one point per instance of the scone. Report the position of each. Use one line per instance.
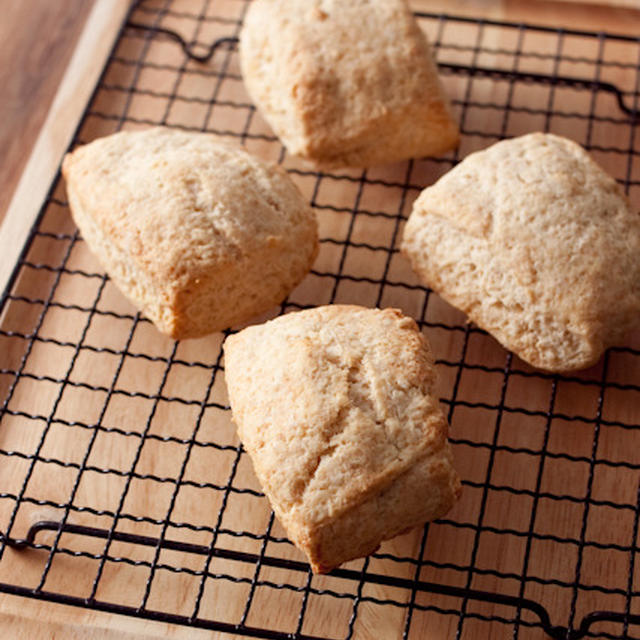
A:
(345, 83)
(335, 406)
(537, 244)
(198, 235)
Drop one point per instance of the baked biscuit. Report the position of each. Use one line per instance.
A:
(345, 83)
(335, 406)
(537, 244)
(198, 235)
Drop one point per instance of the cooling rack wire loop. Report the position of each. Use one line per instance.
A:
(556, 632)
(484, 72)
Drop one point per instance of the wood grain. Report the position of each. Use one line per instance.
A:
(615, 16)
(144, 444)
(631, 4)
(58, 622)
(38, 38)
(62, 118)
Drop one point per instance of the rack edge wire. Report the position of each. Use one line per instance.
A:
(582, 629)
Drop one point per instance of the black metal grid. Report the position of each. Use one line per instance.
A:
(549, 463)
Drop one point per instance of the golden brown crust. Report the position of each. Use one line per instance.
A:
(197, 234)
(345, 84)
(335, 406)
(537, 244)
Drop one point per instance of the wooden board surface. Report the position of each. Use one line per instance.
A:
(29, 45)
(631, 4)
(137, 386)
(37, 40)
(67, 106)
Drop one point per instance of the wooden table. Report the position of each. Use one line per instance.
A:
(88, 30)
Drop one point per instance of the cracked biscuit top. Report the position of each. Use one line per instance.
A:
(334, 404)
(537, 244)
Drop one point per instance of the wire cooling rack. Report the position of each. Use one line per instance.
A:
(121, 471)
